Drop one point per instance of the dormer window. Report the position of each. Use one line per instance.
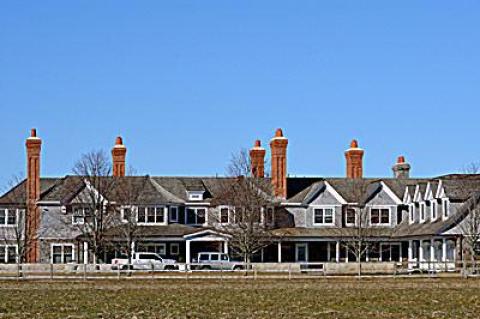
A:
(195, 195)
(423, 208)
(350, 217)
(79, 214)
(445, 208)
(411, 213)
(433, 207)
(173, 214)
(196, 215)
(379, 216)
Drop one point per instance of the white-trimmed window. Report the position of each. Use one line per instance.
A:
(323, 216)
(78, 215)
(195, 195)
(433, 210)
(8, 217)
(174, 249)
(445, 208)
(411, 213)
(151, 215)
(196, 215)
(8, 254)
(173, 214)
(128, 214)
(423, 212)
(224, 215)
(350, 217)
(157, 248)
(379, 216)
(62, 253)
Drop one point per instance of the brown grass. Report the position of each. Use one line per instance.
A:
(319, 298)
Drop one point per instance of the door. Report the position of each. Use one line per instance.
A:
(301, 253)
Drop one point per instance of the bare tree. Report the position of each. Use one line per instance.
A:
(93, 187)
(357, 239)
(128, 192)
(15, 236)
(252, 208)
(470, 228)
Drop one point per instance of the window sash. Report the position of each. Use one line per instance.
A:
(323, 216)
(379, 216)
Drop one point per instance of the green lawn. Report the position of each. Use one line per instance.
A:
(320, 298)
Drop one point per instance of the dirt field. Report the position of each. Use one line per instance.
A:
(320, 298)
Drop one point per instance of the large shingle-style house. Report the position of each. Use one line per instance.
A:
(409, 219)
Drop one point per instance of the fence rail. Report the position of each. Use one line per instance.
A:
(232, 270)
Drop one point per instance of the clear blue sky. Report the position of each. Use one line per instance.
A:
(186, 83)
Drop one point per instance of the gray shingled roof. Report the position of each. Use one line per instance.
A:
(18, 195)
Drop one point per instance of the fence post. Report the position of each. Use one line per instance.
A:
(118, 272)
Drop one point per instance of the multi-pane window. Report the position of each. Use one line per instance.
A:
(323, 216)
(8, 217)
(224, 215)
(379, 216)
(151, 215)
(411, 212)
(196, 215)
(160, 249)
(79, 214)
(8, 254)
(62, 253)
(350, 217)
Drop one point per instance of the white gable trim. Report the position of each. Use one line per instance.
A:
(417, 197)
(428, 192)
(335, 194)
(407, 199)
(390, 193)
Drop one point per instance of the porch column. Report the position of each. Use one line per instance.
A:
(420, 250)
(444, 249)
(225, 247)
(85, 252)
(187, 252)
(279, 248)
(432, 249)
(328, 251)
(346, 254)
(132, 248)
(410, 254)
(337, 251)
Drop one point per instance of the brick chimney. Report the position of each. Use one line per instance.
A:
(354, 157)
(257, 160)
(278, 146)
(34, 146)
(119, 151)
(401, 169)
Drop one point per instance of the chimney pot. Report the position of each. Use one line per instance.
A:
(279, 132)
(258, 143)
(354, 158)
(257, 160)
(401, 169)
(33, 132)
(119, 141)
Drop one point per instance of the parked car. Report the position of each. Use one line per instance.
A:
(215, 261)
(144, 261)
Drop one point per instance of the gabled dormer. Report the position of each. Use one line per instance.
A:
(443, 201)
